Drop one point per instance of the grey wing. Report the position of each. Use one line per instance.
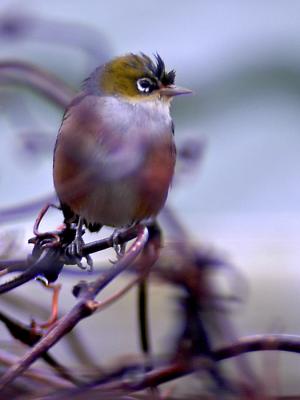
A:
(103, 134)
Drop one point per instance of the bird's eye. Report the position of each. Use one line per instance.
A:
(145, 85)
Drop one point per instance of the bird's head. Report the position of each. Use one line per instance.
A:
(136, 78)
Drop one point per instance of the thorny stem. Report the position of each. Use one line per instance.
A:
(82, 309)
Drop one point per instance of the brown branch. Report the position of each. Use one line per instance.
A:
(82, 309)
(108, 242)
(289, 343)
(29, 337)
(53, 88)
(38, 79)
(100, 305)
(51, 262)
(180, 368)
(36, 374)
(49, 259)
(189, 274)
(248, 344)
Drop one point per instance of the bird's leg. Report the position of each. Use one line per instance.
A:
(75, 248)
(54, 309)
(78, 241)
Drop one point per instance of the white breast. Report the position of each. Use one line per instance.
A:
(117, 138)
(143, 117)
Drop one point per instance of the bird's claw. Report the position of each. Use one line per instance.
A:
(74, 251)
(119, 248)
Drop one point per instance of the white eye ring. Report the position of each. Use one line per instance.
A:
(144, 85)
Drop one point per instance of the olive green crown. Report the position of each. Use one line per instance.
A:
(119, 77)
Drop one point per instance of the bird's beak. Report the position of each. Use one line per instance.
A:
(173, 90)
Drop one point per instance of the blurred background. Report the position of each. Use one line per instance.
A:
(242, 199)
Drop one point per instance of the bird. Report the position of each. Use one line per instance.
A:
(115, 153)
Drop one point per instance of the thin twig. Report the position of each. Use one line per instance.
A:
(39, 235)
(145, 262)
(120, 293)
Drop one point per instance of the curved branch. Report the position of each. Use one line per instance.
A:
(166, 373)
(289, 343)
(38, 79)
(82, 309)
(248, 344)
(50, 259)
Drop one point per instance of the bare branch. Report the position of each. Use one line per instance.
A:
(50, 261)
(179, 368)
(36, 374)
(82, 309)
(38, 79)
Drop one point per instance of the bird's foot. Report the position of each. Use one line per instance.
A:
(118, 247)
(75, 250)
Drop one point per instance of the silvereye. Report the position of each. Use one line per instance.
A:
(115, 154)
